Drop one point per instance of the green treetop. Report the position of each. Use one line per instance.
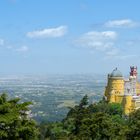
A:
(15, 122)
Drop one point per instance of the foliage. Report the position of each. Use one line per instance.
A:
(109, 108)
(101, 126)
(134, 126)
(15, 123)
(98, 121)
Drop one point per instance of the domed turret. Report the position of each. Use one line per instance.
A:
(115, 87)
(116, 73)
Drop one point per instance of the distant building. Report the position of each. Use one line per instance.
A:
(126, 92)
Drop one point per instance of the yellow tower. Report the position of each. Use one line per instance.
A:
(114, 91)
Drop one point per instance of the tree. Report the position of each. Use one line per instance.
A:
(15, 122)
(78, 113)
(134, 126)
(101, 127)
(109, 108)
(84, 102)
(97, 121)
(101, 120)
(78, 108)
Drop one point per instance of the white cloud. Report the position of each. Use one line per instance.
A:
(1, 42)
(125, 57)
(113, 52)
(9, 47)
(22, 49)
(48, 32)
(101, 41)
(121, 57)
(127, 23)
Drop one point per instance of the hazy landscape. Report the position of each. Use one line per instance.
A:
(52, 95)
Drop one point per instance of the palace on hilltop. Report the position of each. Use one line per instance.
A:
(124, 91)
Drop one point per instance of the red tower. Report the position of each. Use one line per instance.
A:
(133, 71)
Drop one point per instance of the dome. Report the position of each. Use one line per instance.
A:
(116, 73)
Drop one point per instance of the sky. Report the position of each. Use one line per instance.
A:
(69, 36)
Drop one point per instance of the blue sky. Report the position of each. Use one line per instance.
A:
(68, 36)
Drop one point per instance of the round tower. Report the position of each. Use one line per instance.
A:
(115, 86)
(116, 82)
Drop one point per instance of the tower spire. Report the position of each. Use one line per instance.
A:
(133, 71)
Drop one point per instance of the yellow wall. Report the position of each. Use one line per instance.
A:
(112, 98)
(138, 88)
(117, 85)
(114, 87)
(127, 104)
(119, 99)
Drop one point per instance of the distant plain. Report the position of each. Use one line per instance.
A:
(52, 95)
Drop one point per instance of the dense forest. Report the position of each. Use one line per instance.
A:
(98, 121)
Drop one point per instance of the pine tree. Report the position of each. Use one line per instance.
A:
(15, 122)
